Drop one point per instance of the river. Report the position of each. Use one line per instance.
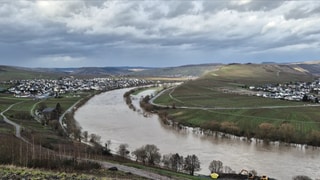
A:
(107, 115)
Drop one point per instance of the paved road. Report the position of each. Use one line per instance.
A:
(17, 126)
(32, 112)
(65, 112)
(139, 172)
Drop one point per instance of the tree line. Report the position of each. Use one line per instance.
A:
(285, 131)
(149, 155)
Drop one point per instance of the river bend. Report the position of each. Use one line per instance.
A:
(107, 115)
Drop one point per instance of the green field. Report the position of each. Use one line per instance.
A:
(209, 95)
(20, 113)
(219, 101)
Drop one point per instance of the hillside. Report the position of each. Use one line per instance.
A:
(15, 73)
(259, 73)
(218, 87)
(9, 72)
(221, 101)
(312, 67)
(180, 71)
(270, 71)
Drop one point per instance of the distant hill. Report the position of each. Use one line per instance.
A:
(94, 71)
(10, 72)
(180, 71)
(312, 67)
(16, 73)
(269, 71)
(260, 73)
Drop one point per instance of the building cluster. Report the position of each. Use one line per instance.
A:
(43, 88)
(298, 91)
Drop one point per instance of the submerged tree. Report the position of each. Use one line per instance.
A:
(153, 154)
(140, 155)
(301, 177)
(191, 164)
(216, 166)
(148, 154)
(123, 150)
(173, 161)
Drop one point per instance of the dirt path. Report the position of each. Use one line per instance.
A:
(16, 126)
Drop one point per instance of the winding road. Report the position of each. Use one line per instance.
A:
(65, 112)
(16, 126)
(139, 172)
(33, 110)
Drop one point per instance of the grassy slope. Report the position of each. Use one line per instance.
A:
(182, 71)
(209, 91)
(259, 74)
(43, 133)
(13, 73)
(13, 172)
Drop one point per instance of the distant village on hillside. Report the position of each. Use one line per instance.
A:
(297, 91)
(44, 88)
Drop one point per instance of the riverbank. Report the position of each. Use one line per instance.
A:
(240, 115)
(259, 146)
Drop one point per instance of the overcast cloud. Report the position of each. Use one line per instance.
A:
(76, 33)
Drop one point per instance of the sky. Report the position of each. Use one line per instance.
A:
(157, 33)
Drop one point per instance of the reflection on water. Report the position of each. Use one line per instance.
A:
(108, 116)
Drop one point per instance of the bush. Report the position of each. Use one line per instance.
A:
(301, 177)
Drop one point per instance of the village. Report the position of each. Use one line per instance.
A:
(297, 91)
(44, 88)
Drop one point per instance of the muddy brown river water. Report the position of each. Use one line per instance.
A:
(108, 116)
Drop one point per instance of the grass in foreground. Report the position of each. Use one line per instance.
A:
(13, 172)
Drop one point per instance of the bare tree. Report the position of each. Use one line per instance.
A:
(173, 161)
(266, 131)
(153, 155)
(77, 133)
(286, 132)
(216, 166)
(301, 177)
(314, 137)
(85, 136)
(230, 127)
(95, 138)
(191, 164)
(176, 162)
(107, 145)
(166, 160)
(227, 169)
(58, 110)
(123, 150)
(148, 153)
(140, 154)
(253, 172)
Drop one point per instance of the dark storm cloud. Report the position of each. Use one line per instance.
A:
(303, 12)
(156, 33)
